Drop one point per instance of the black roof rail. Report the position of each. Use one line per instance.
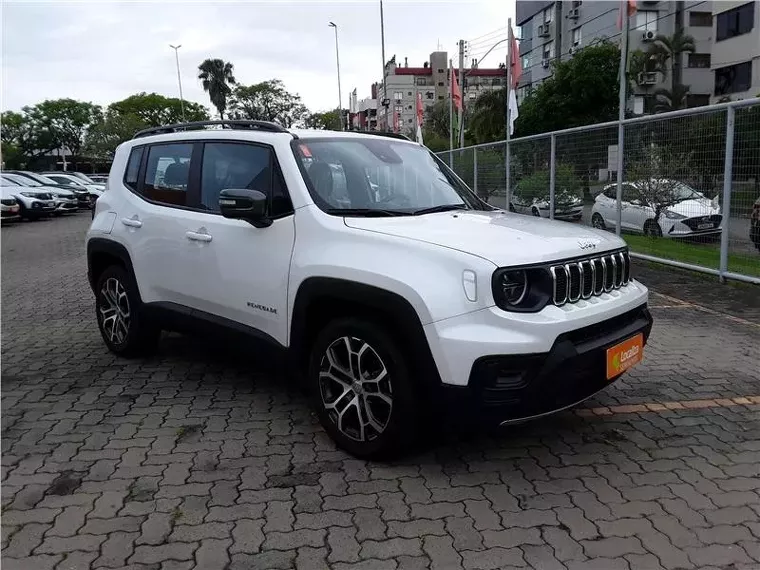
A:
(386, 134)
(225, 123)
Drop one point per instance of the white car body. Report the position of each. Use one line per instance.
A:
(565, 207)
(690, 217)
(65, 200)
(65, 178)
(33, 203)
(9, 208)
(441, 265)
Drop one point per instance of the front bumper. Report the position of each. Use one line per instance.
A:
(509, 388)
(66, 207)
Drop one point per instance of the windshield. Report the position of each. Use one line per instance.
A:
(368, 176)
(83, 177)
(22, 180)
(685, 192)
(5, 181)
(65, 179)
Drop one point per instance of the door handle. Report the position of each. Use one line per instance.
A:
(195, 236)
(131, 222)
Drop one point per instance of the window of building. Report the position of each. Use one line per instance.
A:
(399, 108)
(697, 100)
(440, 84)
(429, 95)
(701, 60)
(547, 15)
(577, 3)
(548, 50)
(420, 80)
(736, 22)
(646, 21)
(440, 97)
(440, 70)
(576, 36)
(700, 19)
(133, 167)
(167, 173)
(527, 60)
(398, 95)
(409, 93)
(233, 165)
(495, 81)
(733, 78)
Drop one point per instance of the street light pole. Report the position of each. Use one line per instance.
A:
(337, 61)
(179, 80)
(384, 101)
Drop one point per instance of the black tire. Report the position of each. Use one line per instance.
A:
(652, 229)
(535, 212)
(597, 221)
(399, 430)
(140, 336)
(512, 208)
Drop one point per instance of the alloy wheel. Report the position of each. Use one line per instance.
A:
(355, 388)
(114, 310)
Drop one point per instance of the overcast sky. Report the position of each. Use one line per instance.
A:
(103, 51)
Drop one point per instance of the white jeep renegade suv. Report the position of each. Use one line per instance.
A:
(389, 285)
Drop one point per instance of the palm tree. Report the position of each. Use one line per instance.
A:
(484, 126)
(671, 99)
(671, 49)
(216, 77)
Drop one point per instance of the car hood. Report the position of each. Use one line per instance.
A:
(503, 238)
(55, 190)
(695, 208)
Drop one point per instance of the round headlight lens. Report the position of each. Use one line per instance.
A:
(514, 286)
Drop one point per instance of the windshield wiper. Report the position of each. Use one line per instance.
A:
(441, 208)
(365, 212)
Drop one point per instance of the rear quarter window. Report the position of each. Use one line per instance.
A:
(133, 167)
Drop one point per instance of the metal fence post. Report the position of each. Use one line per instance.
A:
(552, 175)
(728, 167)
(475, 170)
(619, 190)
(451, 159)
(508, 169)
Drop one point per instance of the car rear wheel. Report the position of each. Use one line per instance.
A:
(361, 388)
(598, 222)
(535, 212)
(121, 319)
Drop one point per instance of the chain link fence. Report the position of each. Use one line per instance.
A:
(689, 189)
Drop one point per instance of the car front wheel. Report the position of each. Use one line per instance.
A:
(361, 388)
(123, 326)
(598, 222)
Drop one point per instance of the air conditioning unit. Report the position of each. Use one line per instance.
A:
(545, 62)
(647, 78)
(543, 31)
(647, 36)
(574, 50)
(574, 13)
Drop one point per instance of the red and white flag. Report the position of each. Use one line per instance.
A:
(420, 117)
(515, 71)
(625, 5)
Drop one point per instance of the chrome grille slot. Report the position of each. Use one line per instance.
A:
(589, 277)
(573, 271)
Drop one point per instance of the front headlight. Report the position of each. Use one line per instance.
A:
(673, 215)
(521, 290)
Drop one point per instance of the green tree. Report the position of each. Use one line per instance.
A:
(488, 118)
(23, 139)
(325, 120)
(67, 121)
(437, 120)
(491, 170)
(155, 110)
(671, 99)
(581, 91)
(268, 101)
(217, 77)
(110, 131)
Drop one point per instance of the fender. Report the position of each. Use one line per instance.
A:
(406, 322)
(105, 247)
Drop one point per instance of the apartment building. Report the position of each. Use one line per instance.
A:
(404, 83)
(735, 62)
(551, 31)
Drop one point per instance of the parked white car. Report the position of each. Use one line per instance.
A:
(567, 206)
(9, 208)
(33, 203)
(693, 214)
(65, 178)
(66, 201)
(391, 303)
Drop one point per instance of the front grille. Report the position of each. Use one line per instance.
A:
(43, 196)
(585, 278)
(693, 223)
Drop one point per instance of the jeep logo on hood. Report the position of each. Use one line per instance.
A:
(584, 244)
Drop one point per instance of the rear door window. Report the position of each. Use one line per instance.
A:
(167, 173)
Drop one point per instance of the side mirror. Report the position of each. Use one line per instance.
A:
(248, 205)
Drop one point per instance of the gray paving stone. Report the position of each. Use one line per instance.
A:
(343, 544)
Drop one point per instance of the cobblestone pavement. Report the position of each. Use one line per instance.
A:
(192, 459)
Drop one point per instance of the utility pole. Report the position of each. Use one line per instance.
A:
(621, 117)
(337, 60)
(461, 91)
(451, 113)
(179, 80)
(507, 145)
(384, 101)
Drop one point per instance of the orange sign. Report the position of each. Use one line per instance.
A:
(625, 355)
